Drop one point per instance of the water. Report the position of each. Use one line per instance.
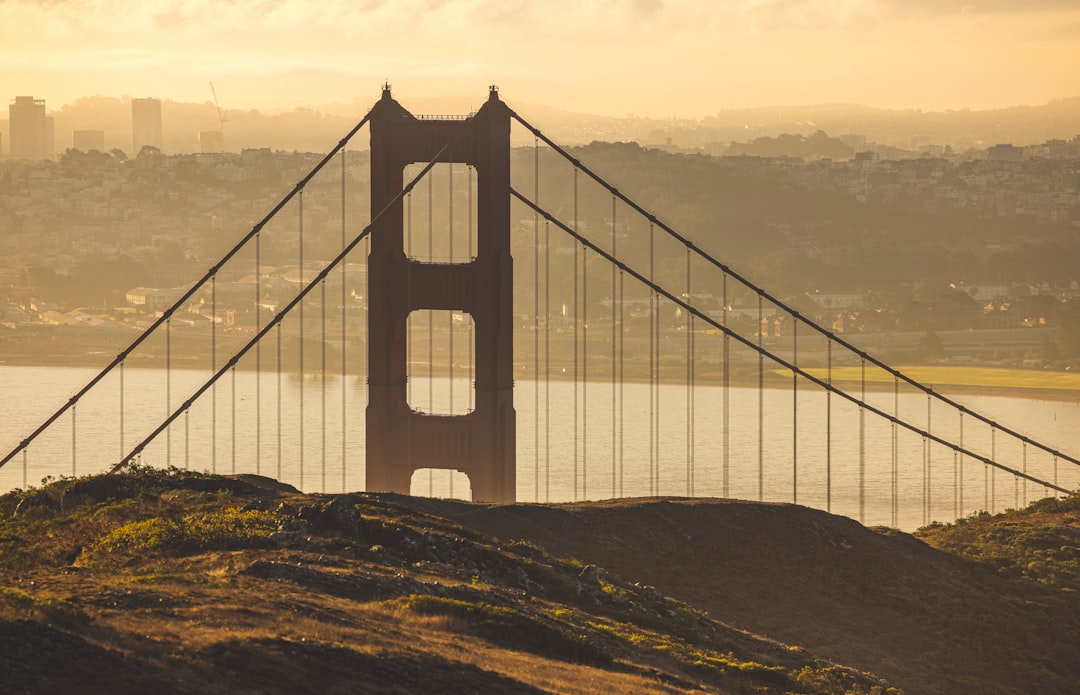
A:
(810, 450)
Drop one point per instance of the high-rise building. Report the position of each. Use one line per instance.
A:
(145, 124)
(30, 129)
(86, 140)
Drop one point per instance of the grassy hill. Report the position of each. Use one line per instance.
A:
(184, 582)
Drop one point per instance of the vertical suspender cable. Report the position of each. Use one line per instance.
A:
(727, 393)
(278, 427)
(547, 361)
(232, 419)
(450, 317)
(993, 471)
(122, 450)
(26, 468)
(693, 406)
(862, 443)
(960, 472)
(472, 256)
(585, 373)
(926, 443)
(74, 442)
(344, 320)
(689, 376)
(168, 391)
(926, 463)
(365, 254)
(1016, 492)
(213, 369)
(614, 357)
(576, 322)
(431, 313)
(536, 322)
(654, 309)
(896, 455)
(657, 389)
(828, 426)
(322, 367)
(955, 463)
(622, 364)
(450, 253)
(187, 439)
(258, 356)
(300, 309)
(795, 410)
(761, 400)
(622, 390)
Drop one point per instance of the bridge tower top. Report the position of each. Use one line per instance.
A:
(399, 439)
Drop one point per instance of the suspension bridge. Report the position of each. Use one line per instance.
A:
(502, 323)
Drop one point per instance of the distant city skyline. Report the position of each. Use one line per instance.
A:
(656, 58)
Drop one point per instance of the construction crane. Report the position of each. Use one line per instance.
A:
(220, 114)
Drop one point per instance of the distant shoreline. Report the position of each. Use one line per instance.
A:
(773, 379)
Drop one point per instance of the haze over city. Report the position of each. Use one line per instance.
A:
(657, 58)
(750, 327)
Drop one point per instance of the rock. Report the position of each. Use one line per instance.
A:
(337, 514)
(290, 533)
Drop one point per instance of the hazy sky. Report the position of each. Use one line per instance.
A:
(659, 58)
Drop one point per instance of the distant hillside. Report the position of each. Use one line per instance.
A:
(183, 582)
(1020, 125)
(316, 127)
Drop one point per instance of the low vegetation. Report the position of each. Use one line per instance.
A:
(148, 579)
(188, 574)
(1040, 543)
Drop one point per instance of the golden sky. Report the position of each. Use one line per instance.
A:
(660, 58)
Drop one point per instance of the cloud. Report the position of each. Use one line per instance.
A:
(951, 7)
(120, 16)
(747, 50)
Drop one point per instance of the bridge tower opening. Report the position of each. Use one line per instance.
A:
(401, 440)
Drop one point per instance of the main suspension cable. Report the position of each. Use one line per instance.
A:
(276, 321)
(181, 301)
(774, 300)
(780, 361)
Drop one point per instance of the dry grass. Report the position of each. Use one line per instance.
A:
(977, 377)
(178, 582)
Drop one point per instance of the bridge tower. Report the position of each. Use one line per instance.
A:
(400, 440)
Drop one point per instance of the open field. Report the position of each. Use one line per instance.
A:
(974, 377)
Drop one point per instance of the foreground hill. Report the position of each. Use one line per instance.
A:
(972, 617)
(183, 582)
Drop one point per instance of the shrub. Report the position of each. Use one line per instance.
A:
(228, 529)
